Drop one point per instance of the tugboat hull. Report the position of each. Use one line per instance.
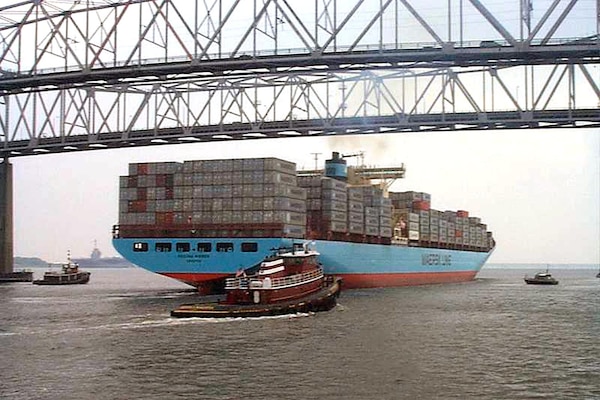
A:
(538, 282)
(61, 279)
(323, 300)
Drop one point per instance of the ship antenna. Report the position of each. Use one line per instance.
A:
(316, 157)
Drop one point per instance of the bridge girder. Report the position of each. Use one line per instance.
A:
(200, 70)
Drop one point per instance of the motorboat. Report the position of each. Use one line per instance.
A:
(541, 278)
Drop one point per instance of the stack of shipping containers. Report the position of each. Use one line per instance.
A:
(253, 195)
(334, 207)
(419, 224)
(247, 193)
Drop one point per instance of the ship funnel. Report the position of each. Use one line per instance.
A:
(336, 167)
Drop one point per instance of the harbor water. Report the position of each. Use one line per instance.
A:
(494, 338)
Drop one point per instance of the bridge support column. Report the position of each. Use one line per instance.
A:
(6, 217)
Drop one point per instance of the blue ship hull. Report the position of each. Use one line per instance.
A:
(199, 262)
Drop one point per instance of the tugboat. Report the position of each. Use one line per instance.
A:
(541, 278)
(290, 281)
(68, 275)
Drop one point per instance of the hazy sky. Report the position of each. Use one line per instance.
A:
(537, 190)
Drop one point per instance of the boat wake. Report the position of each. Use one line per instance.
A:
(146, 324)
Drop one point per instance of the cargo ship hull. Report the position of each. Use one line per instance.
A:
(361, 265)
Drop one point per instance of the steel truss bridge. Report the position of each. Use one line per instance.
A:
(88, 74)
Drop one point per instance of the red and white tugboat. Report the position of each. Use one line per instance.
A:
(288, 282)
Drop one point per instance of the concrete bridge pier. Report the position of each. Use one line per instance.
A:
(6, 217)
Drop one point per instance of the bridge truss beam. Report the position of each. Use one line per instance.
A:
(53, 44)
(249, 105)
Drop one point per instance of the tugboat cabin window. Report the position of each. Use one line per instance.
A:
(140, 246)
(249, 247)
(225, 247)
(204, 247)
(162, 247)
(182, 247)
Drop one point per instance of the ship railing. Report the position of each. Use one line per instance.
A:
(237, 283)
(296, 279)
(274, 283)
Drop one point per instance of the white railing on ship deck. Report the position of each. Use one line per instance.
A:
(276, 283)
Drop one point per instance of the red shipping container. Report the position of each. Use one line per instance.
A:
(142, 169)
(457, 233)
(161, 180)
(421, 205)
(462, 213)
(164, 218)
(137, 206)
(142, 194)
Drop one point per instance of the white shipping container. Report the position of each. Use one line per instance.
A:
(337, 226)
(372, 230)
(290, 191)
(329, 194)
(334, 205)
(237, 217)
(371, 221)
(128, 194)
(313, 204)
(385, 211)
(257, 203)
(330, 183)
(294, 231)
(123, 182)
(356, 218)
(356, 206)
(356, 228)
(355, 194)
(413, 235)
(371, 211)
(258, 190)
(385, 232)
(178, 205)
(333, 215)
(385, 222)
(282, 203)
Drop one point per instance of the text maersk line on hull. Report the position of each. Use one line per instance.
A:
(201, 221)
(436, 259)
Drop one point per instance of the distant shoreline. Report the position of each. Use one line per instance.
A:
(108, 262)
(540, 266)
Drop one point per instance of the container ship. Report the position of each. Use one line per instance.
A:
(202, 221)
